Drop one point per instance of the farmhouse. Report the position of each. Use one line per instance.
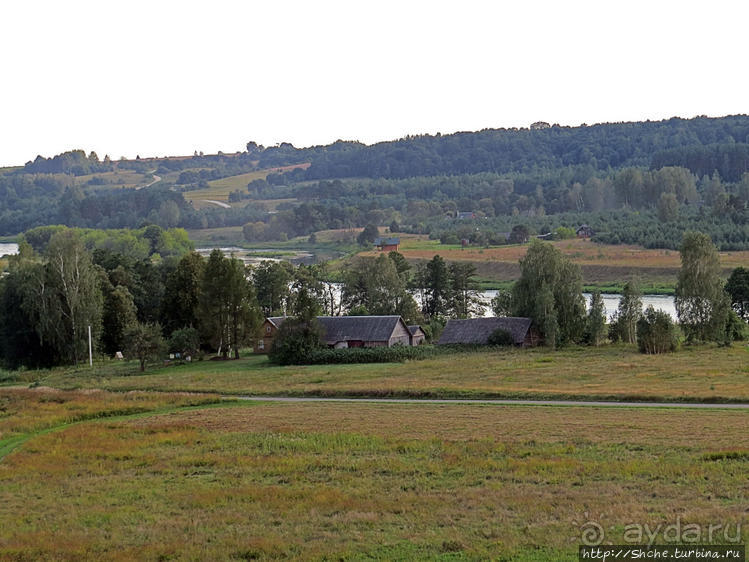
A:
(584, 231)
(478, 330)
(387, 244)
(417, 335)
(347, 331)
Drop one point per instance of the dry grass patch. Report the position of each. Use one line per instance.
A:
(353, 481)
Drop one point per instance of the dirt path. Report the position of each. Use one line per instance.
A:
(156, 179)
(214, 202)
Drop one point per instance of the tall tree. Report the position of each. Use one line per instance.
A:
(595, 325)
(629, 312)
(68, 298)
(272, 282)
(179, 308)
(228, 308)
(374, 286)
(465, 301)
(437, 289)
(737, 287)
(701, 302)
(549, 291)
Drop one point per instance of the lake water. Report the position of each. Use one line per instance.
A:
(8, 249)
(611, 302)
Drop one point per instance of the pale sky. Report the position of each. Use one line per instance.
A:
(155, 78)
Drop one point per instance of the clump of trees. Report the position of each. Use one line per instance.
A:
(549, 292)
(656, 332)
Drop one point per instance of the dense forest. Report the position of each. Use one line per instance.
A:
(643, 183)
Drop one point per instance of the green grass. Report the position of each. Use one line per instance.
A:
(363, 481)
(613, 372)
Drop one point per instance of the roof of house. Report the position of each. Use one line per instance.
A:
(276, 320)
(359, 328)
(478, 330)
(415, 329)
(387, 241)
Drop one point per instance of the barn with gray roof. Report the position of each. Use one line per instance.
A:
(348, 331)
(477, 330)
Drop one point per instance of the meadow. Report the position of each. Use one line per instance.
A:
(219, 189)
(601, 264)
(610, 372)
(317, 481)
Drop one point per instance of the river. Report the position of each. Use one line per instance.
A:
(610, 301)
(8, 249)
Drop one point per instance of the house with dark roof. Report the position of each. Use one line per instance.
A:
(347, 331)
(387, 244)
(477, 331)
(584, 231)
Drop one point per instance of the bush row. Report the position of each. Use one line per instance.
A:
(396, 354)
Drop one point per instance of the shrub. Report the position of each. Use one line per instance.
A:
(656, 332)
(295, 341)
(500, 337)
(184, 341)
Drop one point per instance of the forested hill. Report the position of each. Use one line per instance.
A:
(602, 146)
(666, 175)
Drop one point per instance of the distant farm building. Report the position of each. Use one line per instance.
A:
(387, 244)
(478, 330)
(417, 335)
(584, 231)
(347, 331)
(470, 215)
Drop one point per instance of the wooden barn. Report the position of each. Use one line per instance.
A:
(417, 335)
(584, 231)
(387, 244)
(347, 331)
(478, 330)
(365, 331)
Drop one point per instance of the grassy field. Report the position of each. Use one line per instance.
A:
(702, 373)
(601, 264)
(219, 189)
(25, 412)
(363, 481)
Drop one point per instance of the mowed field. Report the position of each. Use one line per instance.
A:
(611, 372)
(219, 190)
(318, 481)
(600, 263)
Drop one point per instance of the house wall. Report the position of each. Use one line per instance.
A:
(400, 335)
(418, 339)
(269, 334)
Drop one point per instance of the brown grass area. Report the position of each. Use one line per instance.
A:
(24, 410)
(712, 430)
(583, 252)
(357, 481)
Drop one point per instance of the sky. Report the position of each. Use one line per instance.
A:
(162, 77)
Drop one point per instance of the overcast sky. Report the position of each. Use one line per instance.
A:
(162, 78)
